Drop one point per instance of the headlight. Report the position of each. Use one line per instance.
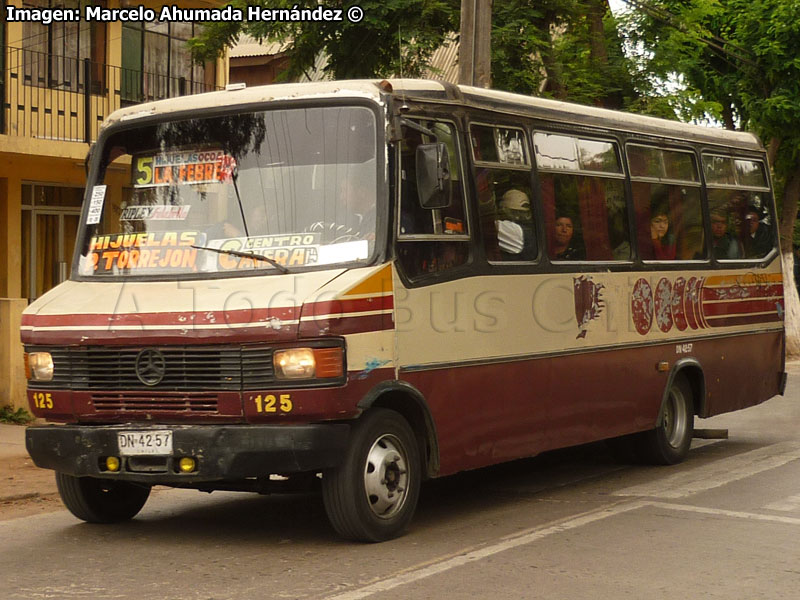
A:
(39, 366)
(307, 363)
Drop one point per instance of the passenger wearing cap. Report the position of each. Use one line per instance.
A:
(758, 241)
(515, 236)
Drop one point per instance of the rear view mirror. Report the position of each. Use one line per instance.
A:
(433, 176)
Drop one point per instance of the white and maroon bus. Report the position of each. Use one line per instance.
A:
(361, 285)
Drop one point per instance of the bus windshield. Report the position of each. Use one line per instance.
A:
(296, 187)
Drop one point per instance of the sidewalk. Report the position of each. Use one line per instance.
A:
(12, 441)
(20, 479)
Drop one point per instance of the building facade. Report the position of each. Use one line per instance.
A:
(59, 82)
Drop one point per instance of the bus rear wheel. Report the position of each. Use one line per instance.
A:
(100, 500)
(669, 442)
(372, 495)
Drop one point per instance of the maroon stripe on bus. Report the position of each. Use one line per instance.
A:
(345, 325)
(490, 413)
(120, 337)
(735, 292)
(188, 318)
(342, 307)
(743, 307)
(745, 320)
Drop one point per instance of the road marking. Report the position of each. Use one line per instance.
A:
(720, 512)
(717, 473)
(786, 505)
(537, 533)
(520, 539)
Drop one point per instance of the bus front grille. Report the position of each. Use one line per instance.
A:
(182, 368)
(189, 403)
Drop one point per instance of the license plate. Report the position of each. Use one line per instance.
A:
(136, 443)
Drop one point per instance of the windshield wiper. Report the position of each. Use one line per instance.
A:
(250, 255)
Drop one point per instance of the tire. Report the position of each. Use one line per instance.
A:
(669, 442)
(372, 495)
(101, 500)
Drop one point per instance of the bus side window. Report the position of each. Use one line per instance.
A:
(583, 198)
(666, 199)
(430, 240)
(502, 183)
(741, 225)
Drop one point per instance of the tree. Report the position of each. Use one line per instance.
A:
(563, 49)
(395, 36)
(740, 62)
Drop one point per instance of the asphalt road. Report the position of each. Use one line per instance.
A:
(571, 524)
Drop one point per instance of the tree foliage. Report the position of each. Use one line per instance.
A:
(395, 36)
(563, 49)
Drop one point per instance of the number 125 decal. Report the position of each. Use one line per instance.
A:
(272, 403)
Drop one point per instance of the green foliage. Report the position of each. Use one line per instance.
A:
(369, 49)
(19, 416)
(563, 49)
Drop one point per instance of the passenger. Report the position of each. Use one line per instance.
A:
(515, 235)
(663, 240)
(564, 246)
(758, 241)
(723, 245)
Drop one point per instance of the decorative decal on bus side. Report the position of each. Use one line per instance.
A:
(678, 313)
(700, 303)
(588, 302)
(663, 305)
(642, 306)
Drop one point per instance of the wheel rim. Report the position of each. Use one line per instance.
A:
(676, 419)
(386, 476)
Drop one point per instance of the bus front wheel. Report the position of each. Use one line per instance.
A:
(669, 442)
(372, 495)
(100, 500)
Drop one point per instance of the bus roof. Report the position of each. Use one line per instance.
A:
(442, 92)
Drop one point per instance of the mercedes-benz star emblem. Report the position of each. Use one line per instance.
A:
(150, 366)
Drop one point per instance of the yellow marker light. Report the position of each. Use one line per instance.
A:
(112, 463)
(295, 363)
(187, 464)
(40, 366)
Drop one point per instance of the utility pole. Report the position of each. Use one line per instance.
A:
(474, 55)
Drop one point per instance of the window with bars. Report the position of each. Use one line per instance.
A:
(157, 63)
(55, 55)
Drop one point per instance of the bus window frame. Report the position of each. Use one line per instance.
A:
(431, 237)
(618, 140)
(467, 269)
(491, 163)
(524, 126)
(770, 204)
(699, 184)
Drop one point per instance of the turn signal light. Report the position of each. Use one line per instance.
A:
(112, 464)
(187, 464)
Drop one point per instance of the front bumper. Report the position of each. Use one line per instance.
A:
(222, 452)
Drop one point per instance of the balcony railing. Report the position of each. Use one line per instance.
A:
(59, 98)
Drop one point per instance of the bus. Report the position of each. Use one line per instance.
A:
(356, 286)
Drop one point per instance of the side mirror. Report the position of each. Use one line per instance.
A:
(433, 176)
